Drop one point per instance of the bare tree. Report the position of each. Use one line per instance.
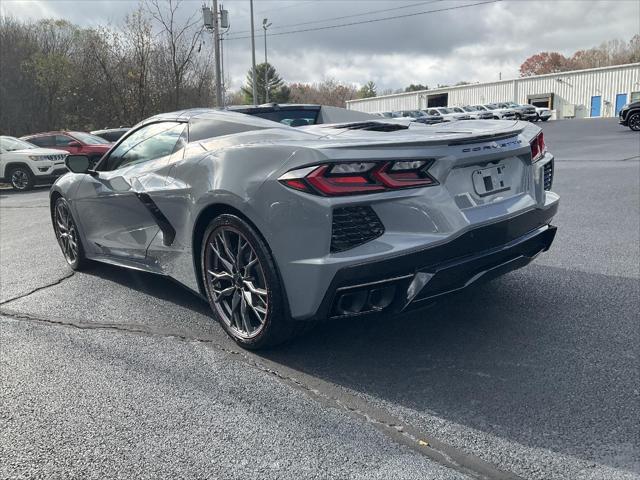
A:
(139, 40)
(180, 38)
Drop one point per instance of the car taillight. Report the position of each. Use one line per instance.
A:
(538, 147)
(359, 177)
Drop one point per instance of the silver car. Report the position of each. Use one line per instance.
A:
(278, 226)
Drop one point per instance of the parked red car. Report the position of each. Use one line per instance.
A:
(79, 143)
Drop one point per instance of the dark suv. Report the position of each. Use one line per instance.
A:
(630, 116)
(77, 143)
(523, 112)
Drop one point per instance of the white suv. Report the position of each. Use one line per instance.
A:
(24, 165)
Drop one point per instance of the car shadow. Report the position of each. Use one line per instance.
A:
(157, 286)
(543, 357)
(531, 357)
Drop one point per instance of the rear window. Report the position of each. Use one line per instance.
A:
(292, 118)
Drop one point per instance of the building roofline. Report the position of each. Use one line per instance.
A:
(517, 79)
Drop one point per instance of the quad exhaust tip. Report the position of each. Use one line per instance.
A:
(366, 300)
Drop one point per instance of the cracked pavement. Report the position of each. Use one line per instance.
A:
(117, 374)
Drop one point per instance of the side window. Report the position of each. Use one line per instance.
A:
(149, 143)
(63, 140)
(42, 141)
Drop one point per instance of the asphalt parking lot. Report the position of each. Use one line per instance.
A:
(118, 374)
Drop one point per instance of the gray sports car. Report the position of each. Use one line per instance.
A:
(279, 226)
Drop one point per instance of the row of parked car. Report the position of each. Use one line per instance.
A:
(38, 159)
(491, 111)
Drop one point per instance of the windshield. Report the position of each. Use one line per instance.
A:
(88, 138)
(458, 110)
(480, 108)
(469, 109)
(9, 144)
(445, 110)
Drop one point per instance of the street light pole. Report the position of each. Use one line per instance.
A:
(253, 56)
(266, 25)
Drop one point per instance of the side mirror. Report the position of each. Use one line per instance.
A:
(74, 144)
(77, 163)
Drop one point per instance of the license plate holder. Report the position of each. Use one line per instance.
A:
(489, 181)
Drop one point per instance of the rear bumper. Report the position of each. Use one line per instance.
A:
(413, 279)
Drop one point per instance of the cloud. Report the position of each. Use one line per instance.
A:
(475, 43)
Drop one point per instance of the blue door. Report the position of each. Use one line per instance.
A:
(596, 104)
(621, 99)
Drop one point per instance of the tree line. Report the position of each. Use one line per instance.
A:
(55, 74)
(613, 52)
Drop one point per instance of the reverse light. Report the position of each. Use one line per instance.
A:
(538, 147)
(359, 177)
(352, 167)
(404, 175)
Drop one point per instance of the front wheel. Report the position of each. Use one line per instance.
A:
(21, 178)
(634, 122)
(67, 235)
(242, 284)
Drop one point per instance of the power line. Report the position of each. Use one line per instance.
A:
(373, 20)
(347, 16)
(299, 3)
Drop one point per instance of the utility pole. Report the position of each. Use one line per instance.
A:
(224, 87)
(253, 56)
(266, 25)
(216, 43)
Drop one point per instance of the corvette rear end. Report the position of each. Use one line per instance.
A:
(391, 220)
(278, 226)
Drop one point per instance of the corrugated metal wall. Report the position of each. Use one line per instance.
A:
(569, 88)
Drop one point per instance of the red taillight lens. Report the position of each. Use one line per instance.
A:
(403, 175)
(359, 177)
(538, 147)
(341, 184)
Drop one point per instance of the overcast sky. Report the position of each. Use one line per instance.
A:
(472, 43)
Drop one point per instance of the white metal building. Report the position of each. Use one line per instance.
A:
(596, 92)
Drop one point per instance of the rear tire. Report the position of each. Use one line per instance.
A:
(243, 286)
(634, 122)
(21, 178)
